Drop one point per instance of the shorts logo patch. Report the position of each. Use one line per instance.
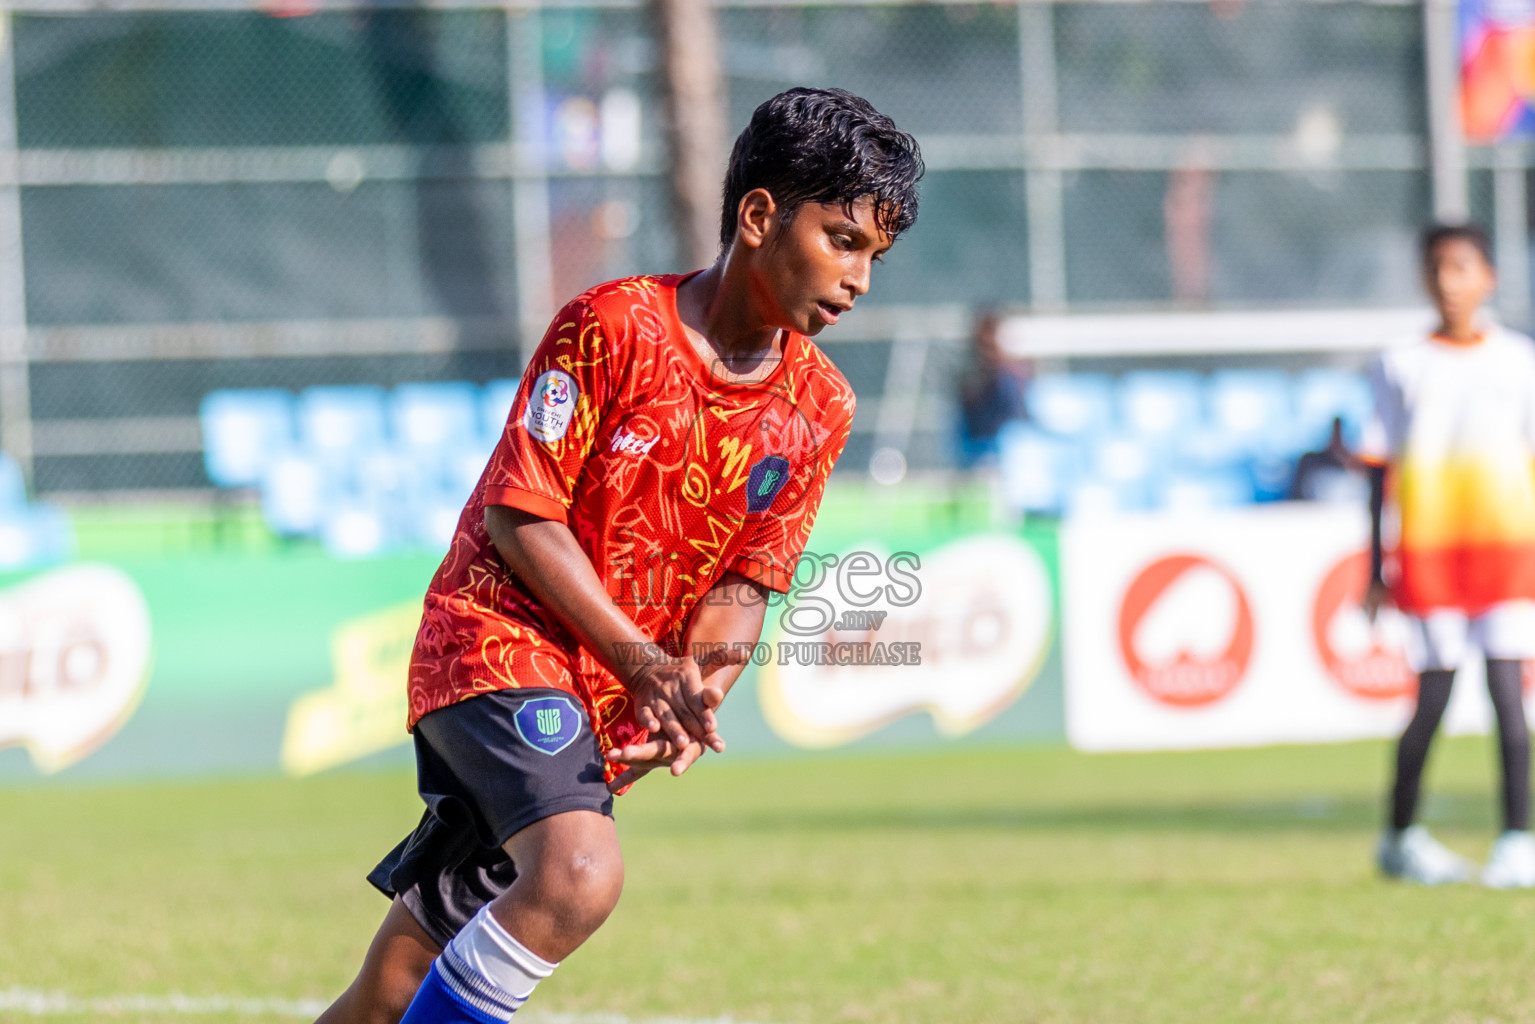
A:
(548, 724)
(764, 482)
(551, 405)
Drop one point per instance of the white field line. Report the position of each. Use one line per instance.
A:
(42, 1004)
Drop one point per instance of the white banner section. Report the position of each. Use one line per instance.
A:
(1234, 628)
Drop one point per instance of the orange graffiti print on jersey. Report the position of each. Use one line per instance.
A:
(668, 472)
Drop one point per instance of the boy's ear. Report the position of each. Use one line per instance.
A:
(755, 216)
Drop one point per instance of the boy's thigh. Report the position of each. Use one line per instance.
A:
(488, 768)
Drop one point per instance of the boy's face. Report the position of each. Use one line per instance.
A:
(810, 270)
(1459, 279)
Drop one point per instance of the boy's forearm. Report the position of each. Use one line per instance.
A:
(546, 557)
(731, 613)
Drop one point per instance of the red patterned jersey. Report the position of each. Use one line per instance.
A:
(668, 474)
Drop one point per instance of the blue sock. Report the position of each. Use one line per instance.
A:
(436, 1003)
(483, 976)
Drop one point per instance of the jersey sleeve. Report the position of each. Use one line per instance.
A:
(553, 423)
(771, 551)
(1383, 433)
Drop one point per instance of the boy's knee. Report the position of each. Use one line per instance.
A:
(570, 873)
(585, 881)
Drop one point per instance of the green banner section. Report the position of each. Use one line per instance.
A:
(294, 661)
(236, 640)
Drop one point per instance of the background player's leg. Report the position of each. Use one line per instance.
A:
(398, 958)
(569, 876)
(1504, 686)
(1511, 864)
(1412, 750)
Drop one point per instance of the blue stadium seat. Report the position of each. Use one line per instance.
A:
(294, 495)
(1208, 449)
(53, 536)
(463, 470)
(435, 417)
(1035, 468)
(335, 422)
(434, 520)
(1184, 491)
(1254, 407)
(1128, 465)
(1161, 404)
(13, 484)
(356, 528)
(34, 536)
(1089, 497)
(243, 431)
(1071, 404)
(1324, 394)
(1272, 473)
(496, 406)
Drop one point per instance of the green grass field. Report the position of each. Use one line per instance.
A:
(973, 886)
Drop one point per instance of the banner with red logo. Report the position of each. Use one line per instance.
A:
(1230, 628)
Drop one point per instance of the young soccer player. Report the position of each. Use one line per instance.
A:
(1454, 435)
(658, 475)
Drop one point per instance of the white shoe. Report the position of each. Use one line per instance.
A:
(1511, 865)
(1415, 856)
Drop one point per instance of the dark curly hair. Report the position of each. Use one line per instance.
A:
(824, 146)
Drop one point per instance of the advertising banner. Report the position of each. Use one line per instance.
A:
(295, 661)
(938, 638)
(1233, 628)
(206, 663)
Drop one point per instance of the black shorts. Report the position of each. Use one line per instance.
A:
(488, 767)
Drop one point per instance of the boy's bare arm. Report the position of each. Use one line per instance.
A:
(670, 694)
(726, 625)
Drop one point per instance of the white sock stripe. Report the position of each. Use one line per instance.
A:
(495, 961)
(515, 951)
(476, 991)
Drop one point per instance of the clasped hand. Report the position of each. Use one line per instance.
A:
(676, 704)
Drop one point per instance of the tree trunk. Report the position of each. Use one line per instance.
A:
(696, 110)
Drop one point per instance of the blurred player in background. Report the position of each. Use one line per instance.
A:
(1453, 439)
(990, 393)
(657, 477)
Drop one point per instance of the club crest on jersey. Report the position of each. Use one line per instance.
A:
(551, 405)
(765, 480)
(548, 724)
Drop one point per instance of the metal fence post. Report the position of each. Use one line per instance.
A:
(1510, 205)
(1042, 181)
(1447, 146)
(530, 182)
(15, 381)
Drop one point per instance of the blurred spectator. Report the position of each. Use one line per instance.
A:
(1331, 474)
(990, 393)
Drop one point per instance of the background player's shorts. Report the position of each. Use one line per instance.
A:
(487, 768)
(1442, 639)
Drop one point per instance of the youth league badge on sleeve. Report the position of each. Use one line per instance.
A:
(551, 406)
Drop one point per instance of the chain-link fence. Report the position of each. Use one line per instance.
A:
(226, 197)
